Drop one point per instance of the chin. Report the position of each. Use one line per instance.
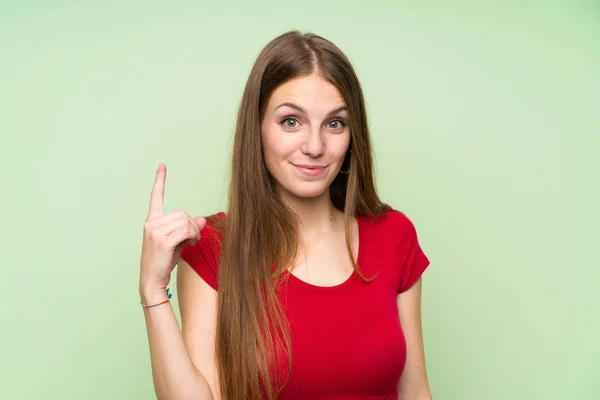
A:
(306, 191)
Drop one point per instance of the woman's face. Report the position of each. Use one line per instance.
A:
(305, 136)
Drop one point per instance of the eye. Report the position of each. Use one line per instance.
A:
(290, 122)
(337, 123)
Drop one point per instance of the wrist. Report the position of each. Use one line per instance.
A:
(148, 284)
(153, 294)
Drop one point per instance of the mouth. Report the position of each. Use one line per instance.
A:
(310, 170)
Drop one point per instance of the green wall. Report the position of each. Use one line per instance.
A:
(485, 121)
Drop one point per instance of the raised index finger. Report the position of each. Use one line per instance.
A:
(158, 192)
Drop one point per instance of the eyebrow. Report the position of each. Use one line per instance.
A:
(300, 109)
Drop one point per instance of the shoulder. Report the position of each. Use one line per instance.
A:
(391, 222)
(204, 255)
(214, 226)
(211, 236)
(394, 235)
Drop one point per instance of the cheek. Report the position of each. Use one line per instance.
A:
(340, 145)
(276, 149)
(271, 148)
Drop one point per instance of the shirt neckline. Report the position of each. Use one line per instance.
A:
(340, 286)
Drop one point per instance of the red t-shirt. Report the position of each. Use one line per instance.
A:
(347, 340)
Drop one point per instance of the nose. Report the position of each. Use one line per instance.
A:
(313, 144)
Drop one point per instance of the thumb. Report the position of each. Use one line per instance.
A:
(201, 221)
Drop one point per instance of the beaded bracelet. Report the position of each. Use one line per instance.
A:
(169, 295)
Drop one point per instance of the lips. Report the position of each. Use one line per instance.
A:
(310, 170)
(306, 166)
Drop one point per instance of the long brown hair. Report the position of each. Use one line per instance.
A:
(259, 235)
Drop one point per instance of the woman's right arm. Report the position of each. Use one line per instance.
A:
(175, 375)
(182, 361)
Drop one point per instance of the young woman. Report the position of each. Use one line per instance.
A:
(308, 286)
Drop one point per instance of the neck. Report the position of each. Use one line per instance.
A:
(316, 216)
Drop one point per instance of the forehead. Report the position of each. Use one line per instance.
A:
(311, 92)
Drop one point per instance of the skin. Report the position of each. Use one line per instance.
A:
(304, 125)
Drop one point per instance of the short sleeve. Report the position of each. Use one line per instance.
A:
(203, 256)
(411, 259)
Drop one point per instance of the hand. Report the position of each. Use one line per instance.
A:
(164, 238)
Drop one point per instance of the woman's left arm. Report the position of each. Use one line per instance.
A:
(413, 383)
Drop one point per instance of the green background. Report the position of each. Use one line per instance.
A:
(485, 122)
